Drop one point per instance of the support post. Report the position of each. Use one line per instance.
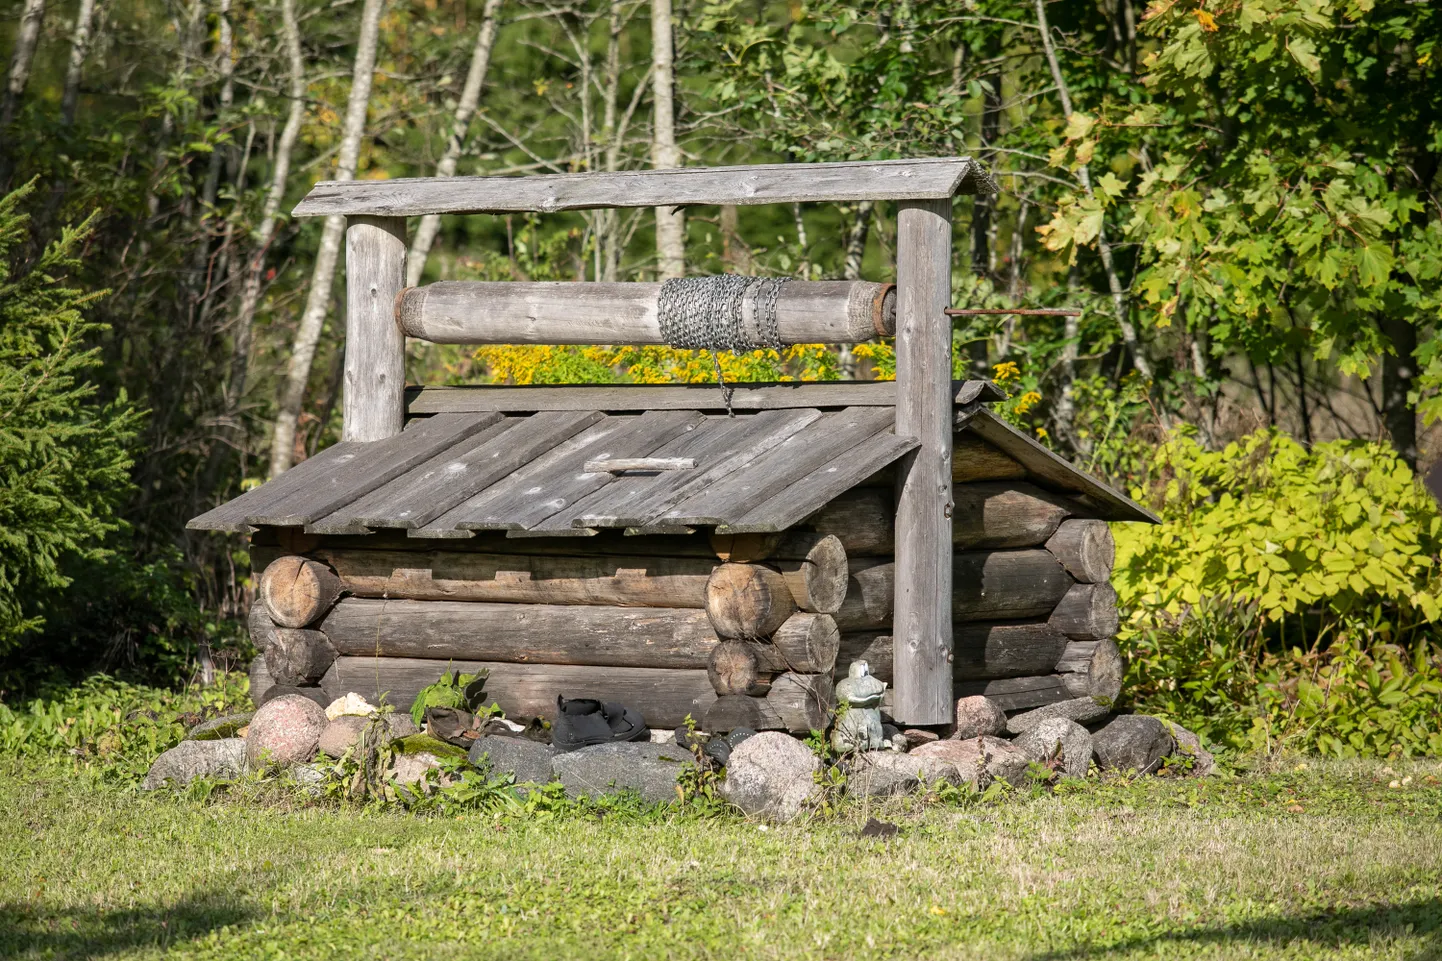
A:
(375, 348)
(922, 618)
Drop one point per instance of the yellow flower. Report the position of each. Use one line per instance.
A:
(1005, 372)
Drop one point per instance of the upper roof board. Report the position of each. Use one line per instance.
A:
(484, 460)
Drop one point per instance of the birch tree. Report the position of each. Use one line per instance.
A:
(430, 224)
(79, 50)
(317, 302)
(27, 38)
(665, 154)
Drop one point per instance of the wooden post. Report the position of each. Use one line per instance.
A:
(375, 348)
(922, 624)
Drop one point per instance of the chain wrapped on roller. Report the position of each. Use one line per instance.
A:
(707, 313)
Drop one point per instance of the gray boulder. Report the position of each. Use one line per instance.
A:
(275, 691)
(341, 735)
(529, 761)
(188, 760)
(1058, 737)
(225, 726)
(650, 770)
(1133, 742)
(1079, 709)
(977, 716)
(284, 731)
(771, 775)
(886, 773)
(1189, 755)
(979, 759)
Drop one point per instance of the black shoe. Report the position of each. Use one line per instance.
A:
(579, 723)
(626, 723)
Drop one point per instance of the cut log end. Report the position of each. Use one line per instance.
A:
(734, 668)
(818, 580)
(747, 601)
(298, 591)
(1086, 549)
(1088, 612)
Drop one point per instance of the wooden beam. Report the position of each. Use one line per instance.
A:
(922, 625)
(375, 351)
(935, 178)
(516, 312)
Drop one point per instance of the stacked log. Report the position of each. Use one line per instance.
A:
(634, 619)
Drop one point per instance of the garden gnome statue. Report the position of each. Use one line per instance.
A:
(859, 729)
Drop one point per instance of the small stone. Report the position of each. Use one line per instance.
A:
(1133, 742)
(771, 775)
(313, 694)
(188, 760)
(412, 768)
(341, 734)
(886, 773)
(1189, 749)
(528, 761)
(1079, 709)
(285, 731)
(663, 737)
(977, 756)
(1058, 734)
(916, 737)
(977, 716)
(351, 705)
(309, 777)
(650, 770)
(225, 726)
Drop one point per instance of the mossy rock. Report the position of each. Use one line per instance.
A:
(425, 744)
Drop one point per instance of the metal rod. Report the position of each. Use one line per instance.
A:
(1034, 312)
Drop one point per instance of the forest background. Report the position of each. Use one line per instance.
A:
(1241, 196)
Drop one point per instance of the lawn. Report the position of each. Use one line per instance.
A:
(1322, 860)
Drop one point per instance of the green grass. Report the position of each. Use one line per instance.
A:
(1323, 862)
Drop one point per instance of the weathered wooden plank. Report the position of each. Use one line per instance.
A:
(973, 459)
(558, 480)
(375, 349)
(524, 312)
(624, 465)
(922, 684)
(1047, 468)
(664, 697)
(522, 633)
(816, 445)
(340, 474)
(606, 579)
(424, 494)
(940, 177)
(618, 398)
(804, 497)
(1017, 693)
(983, 650)
(985, 586)
(724, 447)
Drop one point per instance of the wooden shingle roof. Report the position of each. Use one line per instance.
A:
(514, 460)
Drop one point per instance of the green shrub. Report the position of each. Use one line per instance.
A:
(1289, 598)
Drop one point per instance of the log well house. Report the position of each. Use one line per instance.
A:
(683, 549)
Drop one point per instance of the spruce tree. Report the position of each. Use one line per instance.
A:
(64, 453)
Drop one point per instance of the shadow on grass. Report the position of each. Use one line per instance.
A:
(89, 932)
(1338, 928)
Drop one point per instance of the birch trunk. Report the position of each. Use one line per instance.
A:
(27, 38)
(665, 154)
(317, 302)
(430, 224)
(79, 50)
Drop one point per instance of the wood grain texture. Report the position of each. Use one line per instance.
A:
(983, 650)
(298, 657)
(1098, 675)
(986, 586)
(597, 579)
(1006, 514)
(522, 312)
(973, 459)
(923, 580)
(818, 581)
(804, 702)
(618, 398)
(341, 474)
(731, 711)
(522, 633)
(747, 601)
(375, 349)
(734, 669)
(1086, 549)
(260, 627)
(664, 697)
(297, 591)
(1088, 612)
(1018, 693)
(936, 178)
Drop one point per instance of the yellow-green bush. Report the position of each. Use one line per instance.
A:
(1290, 599)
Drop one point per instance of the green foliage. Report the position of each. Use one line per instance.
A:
(64, 463)
(111, 727)
(1288, 600)
(454, 689)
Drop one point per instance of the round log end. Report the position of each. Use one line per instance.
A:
(733, 668)
(298, 591)
(818, 582)
(747, 601)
